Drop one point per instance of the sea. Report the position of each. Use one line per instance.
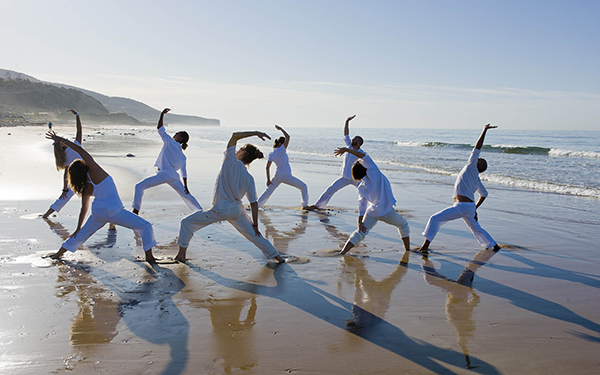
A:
(552, 174)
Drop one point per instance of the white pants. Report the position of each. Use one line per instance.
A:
(122, 217)
(236, 215)
(392, 218)
(464, 210)
(163, 178)
(332, 189)
(287, 179)
(60, 203)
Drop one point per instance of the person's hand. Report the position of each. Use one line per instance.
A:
(256, 231)
(488, 126)
(269, 183)
(63, 195)
(340, 151)
(362, 228)
(278, 128)
(50, 134)
(164, 111)
(186, 191)
(262, 135)
(74, 233)
(476, 218)
(73, 111)
(350, 118)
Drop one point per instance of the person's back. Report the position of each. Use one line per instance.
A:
(233, 182)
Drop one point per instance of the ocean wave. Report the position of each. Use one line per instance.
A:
(549, 187)
(506, 149)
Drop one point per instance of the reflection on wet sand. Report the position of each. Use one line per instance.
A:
(371, 296)
(232, 328)
(281, 239)
(461, 297)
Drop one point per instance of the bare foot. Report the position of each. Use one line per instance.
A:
(279, 259)
(135, 211)
(496, 248)
(150, 257)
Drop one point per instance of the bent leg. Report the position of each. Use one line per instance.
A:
(440, 218)
(90, 227)
(358, 235)
(331, 190)
(140, 226)
(243, 225)
(147, 183)
(270, 189)
(397, 220)
(188, 199)
(194, 222)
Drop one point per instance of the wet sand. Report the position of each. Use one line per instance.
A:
(532, 308)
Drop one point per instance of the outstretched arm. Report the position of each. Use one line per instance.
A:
(286, 135)
(479, 143)
(241, 135)
(341, 150)
(347, 125)
(160, 119)
(79, 135)
(96, 172)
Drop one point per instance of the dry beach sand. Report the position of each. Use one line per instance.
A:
(533, 307)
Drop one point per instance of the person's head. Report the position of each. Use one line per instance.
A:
(183, 138)
(247, 153)
(358, 171)
(278, 142)
(481, 165)
(60, 156)
(357, 142)
(78, 172)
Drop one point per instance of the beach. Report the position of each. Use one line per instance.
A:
(531, 308)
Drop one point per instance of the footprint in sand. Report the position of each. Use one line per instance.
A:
(325, 253)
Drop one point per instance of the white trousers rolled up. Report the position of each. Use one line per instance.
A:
(163, 178)
(122, 217)
(60, 203)
(287, 179)
(332, 189)
(460, 210)
(236, 215)
(392, 218)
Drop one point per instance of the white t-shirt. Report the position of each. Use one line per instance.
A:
(171, 157)
(468, 182)
(71, 155)
(233, 183)
(279, 156)
(374, 190)
(349, 159)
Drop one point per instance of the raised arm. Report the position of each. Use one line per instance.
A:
(341, 150)
(479, 143)
(347, 125)
(285, 134)
(160, 119)
(79, 135)
(96, 172)
(241, 135)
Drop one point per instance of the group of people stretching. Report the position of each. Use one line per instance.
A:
(86, 178)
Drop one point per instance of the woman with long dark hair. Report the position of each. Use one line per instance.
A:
(87, 179)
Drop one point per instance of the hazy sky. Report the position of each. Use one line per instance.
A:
(456, 64)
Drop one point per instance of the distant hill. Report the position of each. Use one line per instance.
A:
(23, 95)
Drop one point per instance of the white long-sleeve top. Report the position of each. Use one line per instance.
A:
(375, 191)
(279, 156)
(171, 158)
(349, 159)
(233, 183)
(468, 182)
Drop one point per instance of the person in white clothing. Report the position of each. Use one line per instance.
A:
(284, 171)
(170, 160)
(346, 173)
(233, 183)
(63, 157)
(376, 200)
(467, 183)
(87, 179)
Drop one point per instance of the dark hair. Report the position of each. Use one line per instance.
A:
(481, 165)
(278, 142)
(252, 152)
(186, 138)
(78, 176)
(358, 171)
